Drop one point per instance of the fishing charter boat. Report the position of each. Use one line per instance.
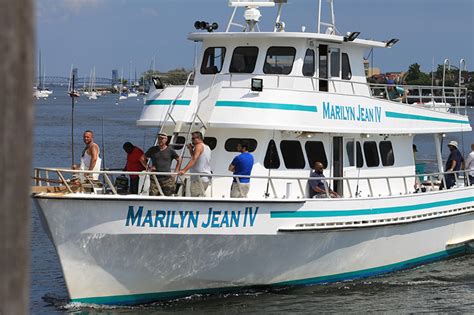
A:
(296, 98)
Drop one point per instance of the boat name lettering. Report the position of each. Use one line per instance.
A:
(359, 113)
(177, 219)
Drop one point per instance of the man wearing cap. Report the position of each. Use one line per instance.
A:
(161, 158)
(395, 93)
(453, 164)
(469, 165)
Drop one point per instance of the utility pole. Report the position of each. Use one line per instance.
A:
(17, 20)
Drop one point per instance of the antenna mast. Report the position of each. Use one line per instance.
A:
(331, 27)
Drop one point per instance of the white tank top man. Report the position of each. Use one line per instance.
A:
(200, 162)
(90, 160)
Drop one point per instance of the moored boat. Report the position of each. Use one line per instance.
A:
(297, 98)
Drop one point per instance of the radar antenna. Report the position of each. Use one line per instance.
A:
(252, 13)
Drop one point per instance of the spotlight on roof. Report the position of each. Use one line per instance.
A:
(350, 36)
(391, 42)
(203, 25)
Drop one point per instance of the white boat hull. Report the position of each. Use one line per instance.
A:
(114, 253)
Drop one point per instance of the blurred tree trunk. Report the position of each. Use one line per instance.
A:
(17, 46)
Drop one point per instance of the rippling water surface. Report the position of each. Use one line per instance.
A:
(445, 286)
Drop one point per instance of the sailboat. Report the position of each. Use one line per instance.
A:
(39, 90)
(70, 88)
(123, 90)
(92, 92)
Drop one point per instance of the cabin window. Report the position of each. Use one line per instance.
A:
(386, 153)
(292, 154)
(272, 160)
(350, 154)
(243, 60)
(231, 144)
(371, 154)
(179, 142)
(335, 62)
(308, 65)
(213, 60)
(346, 67)
(279, 60)
(315, 153)
(211, 142)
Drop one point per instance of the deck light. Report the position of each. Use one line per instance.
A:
(391, 42)
(257, 85)
(350, 36)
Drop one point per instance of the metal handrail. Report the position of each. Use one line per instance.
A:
(271, 179)
(447, 93)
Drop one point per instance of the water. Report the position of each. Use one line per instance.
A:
(446, 286)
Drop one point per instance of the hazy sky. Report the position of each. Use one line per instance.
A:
(111, 34)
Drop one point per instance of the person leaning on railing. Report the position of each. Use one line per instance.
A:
(318, 184)
(469, 165)
(396, 93)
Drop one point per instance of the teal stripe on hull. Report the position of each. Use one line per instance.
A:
(260, 105)
(135, 299)
(168, 102)
(339, 213)
(420, 117)
(378, 270)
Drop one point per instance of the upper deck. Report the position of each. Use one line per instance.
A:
(299, 81)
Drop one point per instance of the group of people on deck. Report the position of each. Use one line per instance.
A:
(162, 156)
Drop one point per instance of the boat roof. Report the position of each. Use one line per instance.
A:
(201, 36)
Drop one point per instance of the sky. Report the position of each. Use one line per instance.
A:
(124, 34)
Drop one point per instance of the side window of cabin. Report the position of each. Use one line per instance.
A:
(231, 144)
(211, 142)
(272, 160)
(292, 154)
(346, 67)
(350, 154)
(315, 153)
(335, 62)
(371, 154)
(279, 60)
(308, 64)
(243, 60)
(213, 60)
(386, 153)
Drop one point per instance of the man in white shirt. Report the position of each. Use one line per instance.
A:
(469, 165)
(199, 163)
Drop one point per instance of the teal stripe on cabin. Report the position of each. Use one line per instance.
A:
(168, 102)
(420, 117)
(340, 213)
(133, 299)
(260, 105)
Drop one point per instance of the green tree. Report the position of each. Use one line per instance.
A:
(415, 76)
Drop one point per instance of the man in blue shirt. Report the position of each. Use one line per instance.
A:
(318, 189)
(241, 165)
(453, 164)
